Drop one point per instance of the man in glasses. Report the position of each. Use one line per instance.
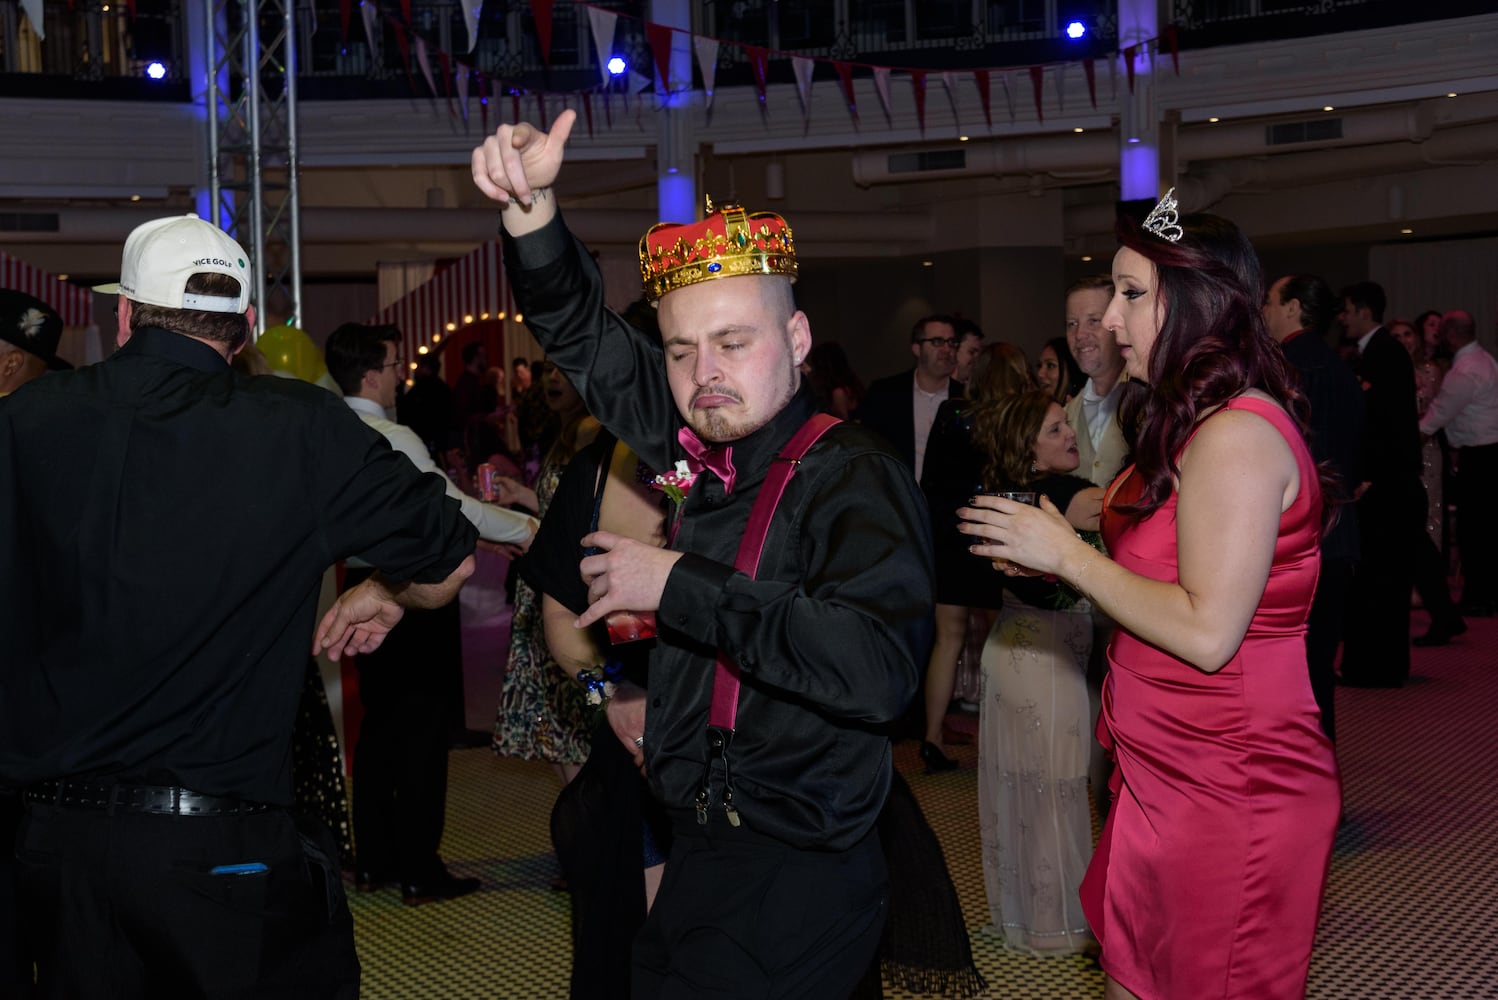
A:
(901, 408)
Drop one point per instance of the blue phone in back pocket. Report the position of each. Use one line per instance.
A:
(248, 868)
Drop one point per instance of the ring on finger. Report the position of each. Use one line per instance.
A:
(639, 742)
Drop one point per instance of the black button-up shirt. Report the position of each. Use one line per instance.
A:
(831, 637)
(164, 526)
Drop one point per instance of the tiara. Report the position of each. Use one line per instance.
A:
(729, 242)
(1164, 220)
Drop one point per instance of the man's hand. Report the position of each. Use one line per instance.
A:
(625, 576)
(358, 621)
(626, 713)
(516, 165)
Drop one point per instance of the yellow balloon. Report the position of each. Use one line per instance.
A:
(288, 349)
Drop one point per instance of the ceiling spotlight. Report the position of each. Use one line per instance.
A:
(1076, 30)
(1087, 258)
(156, 71)
(1079, 130)
(1328, 107)
(1405, 232)
(1452, 94)
(62, 277)
(962, 138)
(928, 263)
(1214, 120)
(135, 197)
(617, 66)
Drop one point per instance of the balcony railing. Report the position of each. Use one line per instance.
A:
(93, 48)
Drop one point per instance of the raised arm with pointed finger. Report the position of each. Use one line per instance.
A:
(516, 167)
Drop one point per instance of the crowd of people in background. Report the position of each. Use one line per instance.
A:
(1236, 455)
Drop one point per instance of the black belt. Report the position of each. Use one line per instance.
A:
(161, 800)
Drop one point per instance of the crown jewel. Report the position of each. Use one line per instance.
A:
(727, 243)
(1164, 219)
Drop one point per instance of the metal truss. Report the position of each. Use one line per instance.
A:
(252, 145)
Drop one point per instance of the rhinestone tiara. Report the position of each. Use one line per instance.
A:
(1164, 219)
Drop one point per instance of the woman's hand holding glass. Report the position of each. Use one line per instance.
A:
(1021, 540)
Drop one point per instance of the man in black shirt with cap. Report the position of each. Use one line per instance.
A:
(164, 525)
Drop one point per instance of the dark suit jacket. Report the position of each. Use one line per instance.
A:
(888, 409)
(1336, 401)
(1391, 511)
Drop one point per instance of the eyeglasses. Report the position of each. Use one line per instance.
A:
(938, 342)
(397, 363)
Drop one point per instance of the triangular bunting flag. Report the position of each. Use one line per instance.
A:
(1174, 41)
(1089, 68)
(464, 74)
(1130, 54)
(881, 86)
(801, 68)
(759, 60)
(845, 80)
(345, 15)
(541, 14)
(588, 111)
(425, 64)
(949, 80)
(707, 63)
(471, 11)
(367, 15)
(1037, 83)
(603, 24)
(918, 87)
(980, 77)
(405, 46)
(1009, 87)
(33, 11)
(406, 11)
(659, 38)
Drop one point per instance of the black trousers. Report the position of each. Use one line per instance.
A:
(1376, 629)
(1477, 532)
(1324, 635)
(15, 956)
(127, 906)
(742, 916)
(400, 763)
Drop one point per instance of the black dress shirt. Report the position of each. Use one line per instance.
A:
(164, 526)
(832, 635)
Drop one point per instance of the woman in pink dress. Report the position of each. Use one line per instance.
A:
(1207, 881)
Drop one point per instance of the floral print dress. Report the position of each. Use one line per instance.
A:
(542, 712)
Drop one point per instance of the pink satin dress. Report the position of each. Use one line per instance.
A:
(1207, 881)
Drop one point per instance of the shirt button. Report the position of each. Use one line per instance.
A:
(681, 620)
(656, 703)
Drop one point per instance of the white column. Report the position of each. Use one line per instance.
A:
(676, 146)
(1139, 119)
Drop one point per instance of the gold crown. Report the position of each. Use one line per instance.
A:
(727, 243)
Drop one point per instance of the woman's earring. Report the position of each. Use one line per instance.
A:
(1034, 469)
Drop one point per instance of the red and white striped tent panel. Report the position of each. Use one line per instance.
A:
(74, 303)
(468, 287)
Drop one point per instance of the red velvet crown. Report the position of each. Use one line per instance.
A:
(728, 242)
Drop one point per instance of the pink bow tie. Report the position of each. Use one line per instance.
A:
(716, 459)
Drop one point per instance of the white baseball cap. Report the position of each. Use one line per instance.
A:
(162, 254)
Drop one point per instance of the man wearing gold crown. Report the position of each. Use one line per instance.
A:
(775, 885)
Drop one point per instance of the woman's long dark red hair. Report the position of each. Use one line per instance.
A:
(1212, 346)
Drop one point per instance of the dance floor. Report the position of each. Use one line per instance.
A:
(1409, 908)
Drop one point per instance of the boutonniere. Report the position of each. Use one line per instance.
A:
(675, 483)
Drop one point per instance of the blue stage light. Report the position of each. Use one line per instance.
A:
(1076, 30)
(156, 71)
(617, 66)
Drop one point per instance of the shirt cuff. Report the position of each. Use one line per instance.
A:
(539, 248)
(689, 604)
